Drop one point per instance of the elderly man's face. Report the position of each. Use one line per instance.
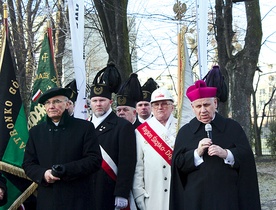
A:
(205, 109)
(126, 112)
(162, 110)
(55, 107)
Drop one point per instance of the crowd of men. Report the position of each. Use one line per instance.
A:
(134, 156)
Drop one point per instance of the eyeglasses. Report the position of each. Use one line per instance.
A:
(156, 105)
(54, 102)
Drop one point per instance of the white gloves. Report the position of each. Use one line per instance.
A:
(120, 203)
(140, 202)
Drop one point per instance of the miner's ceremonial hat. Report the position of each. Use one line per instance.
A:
(73, 86)
(130, 92)
(147, 89)
(106, 82)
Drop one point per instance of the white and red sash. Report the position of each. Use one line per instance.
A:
(108, 165)
(157, 143)
(111, 169)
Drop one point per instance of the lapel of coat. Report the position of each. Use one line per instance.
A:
(107, 124)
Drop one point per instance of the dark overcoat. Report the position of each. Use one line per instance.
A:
(117, 137)
(72, 143)
(213, 185)
(136, 123)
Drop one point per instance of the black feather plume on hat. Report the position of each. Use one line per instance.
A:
(73, 86)
(110, 77)
(214, 78)
(130, 92)
(106, 82)
(149, 86)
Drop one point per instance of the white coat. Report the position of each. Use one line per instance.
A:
(153, 174)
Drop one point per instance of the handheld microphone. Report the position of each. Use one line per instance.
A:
(208, 129)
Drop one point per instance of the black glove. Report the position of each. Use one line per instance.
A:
(58, 170)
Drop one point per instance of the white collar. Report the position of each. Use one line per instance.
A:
(98, 120)
(142, 120)
(169, 121)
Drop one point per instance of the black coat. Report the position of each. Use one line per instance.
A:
(117, 137)
(136, 123)
(213, 185)
(72, 143)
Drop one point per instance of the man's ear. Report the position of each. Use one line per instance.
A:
(216, 102)
(68, 103)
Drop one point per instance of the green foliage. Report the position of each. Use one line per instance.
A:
(271, 138)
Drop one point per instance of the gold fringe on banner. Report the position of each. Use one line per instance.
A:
(13, 170)
(29, 191)
(20, 173)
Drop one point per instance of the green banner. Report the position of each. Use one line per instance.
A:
(45, 79)
(13, 123)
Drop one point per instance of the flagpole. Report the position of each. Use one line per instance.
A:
(184, 71)
(50, 37)
(179, 10)
(5, 20)
(179, 64)
(180, 78)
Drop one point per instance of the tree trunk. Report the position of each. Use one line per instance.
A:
(239, 68)
(258, 144)
(113, 17)
(59, 38)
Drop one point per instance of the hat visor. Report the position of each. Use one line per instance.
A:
(162, 99)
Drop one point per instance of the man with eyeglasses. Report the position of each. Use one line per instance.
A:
(61, 155)
(155, 141)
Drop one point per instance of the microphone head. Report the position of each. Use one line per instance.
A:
(208, 127)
